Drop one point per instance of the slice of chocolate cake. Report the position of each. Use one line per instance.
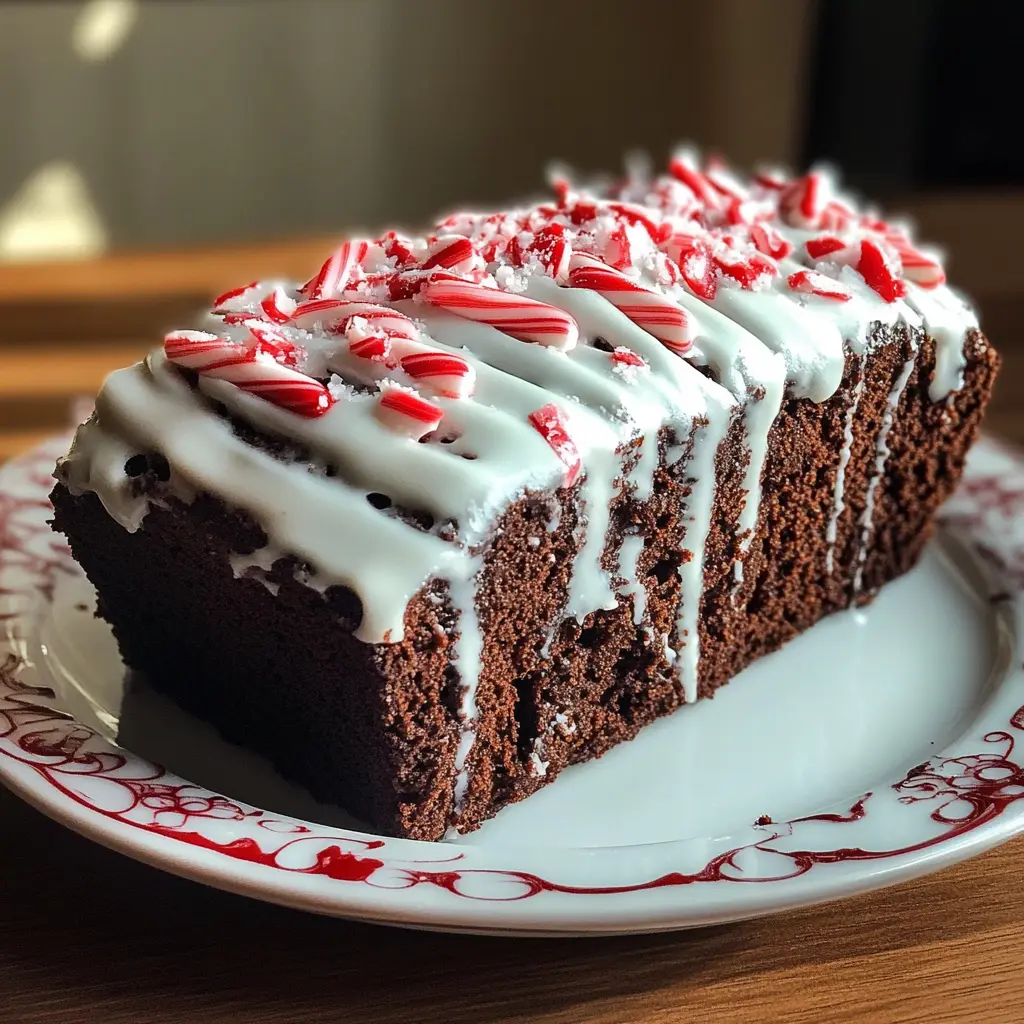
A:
(466, 509)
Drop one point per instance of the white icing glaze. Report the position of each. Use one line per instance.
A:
(881, 456)
(700, 469)
(299, 511)
(756, 377)
(947, 319)
(468, 661)
(629, 553)
(839, 502)
(811, 346)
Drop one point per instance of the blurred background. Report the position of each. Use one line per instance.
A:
(155, 152)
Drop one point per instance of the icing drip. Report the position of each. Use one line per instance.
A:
(839, 503)
(468, 661)
(756, 377)
(672, 393)
(700, 471)
(590, 588)
(881, 456)
(629, 553)
(811, 346)
(947, 319)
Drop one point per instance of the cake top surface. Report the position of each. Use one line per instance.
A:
(517, 350)
(789, 259)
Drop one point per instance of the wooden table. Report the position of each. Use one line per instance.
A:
(87, 935)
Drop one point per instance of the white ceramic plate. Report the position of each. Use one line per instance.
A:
(881, 745)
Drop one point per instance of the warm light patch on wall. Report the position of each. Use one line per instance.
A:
(101, 28)
(51, 217)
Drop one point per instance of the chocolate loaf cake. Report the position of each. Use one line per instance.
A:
(468, 508)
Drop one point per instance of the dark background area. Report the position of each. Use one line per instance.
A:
(917, 95)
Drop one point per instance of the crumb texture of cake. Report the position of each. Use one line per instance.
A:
(466, 508)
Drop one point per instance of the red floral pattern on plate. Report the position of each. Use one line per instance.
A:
(964, 792)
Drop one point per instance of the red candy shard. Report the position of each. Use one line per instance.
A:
(448, 374)
(818, 284)
(619, 253)
(549, 246)
(819, 248)
(925, 271)
(632, 215)
(627, 357)
(550, 425)
(277, 307)
(307, 397)
(582, 211)
(404, 410)
(332, 277)
(696, 263)
(836, 217)
(695, 181)
(803, 201)
(880, 272)
(459, 250)
(769, 178)
(750, 272)
(768, 241)
(396, 249)
(369, 344)
(234, 293)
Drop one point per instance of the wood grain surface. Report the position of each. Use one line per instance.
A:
(89, 936)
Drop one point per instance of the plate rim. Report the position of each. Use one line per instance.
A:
(435, 894)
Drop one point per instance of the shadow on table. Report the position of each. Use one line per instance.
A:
(130, 943)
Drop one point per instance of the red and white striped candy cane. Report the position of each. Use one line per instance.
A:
(696, 261)
(879, 267)
(514, 315)
(650, 311)
(922, 269)
(773, 178)
(549, 422)
(826, 247)
(367, 341)
(404, 411)
(336, 272)
(683, 168)
(234, 299)
(335, 313)
(249, 367)
(722, 180)
(803, 201)
(448, 374)
(270, 341)
(768, 241)
(819, 284)
(451, 252)
(278, 307)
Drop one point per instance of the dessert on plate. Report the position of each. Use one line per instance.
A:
(469, 507)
